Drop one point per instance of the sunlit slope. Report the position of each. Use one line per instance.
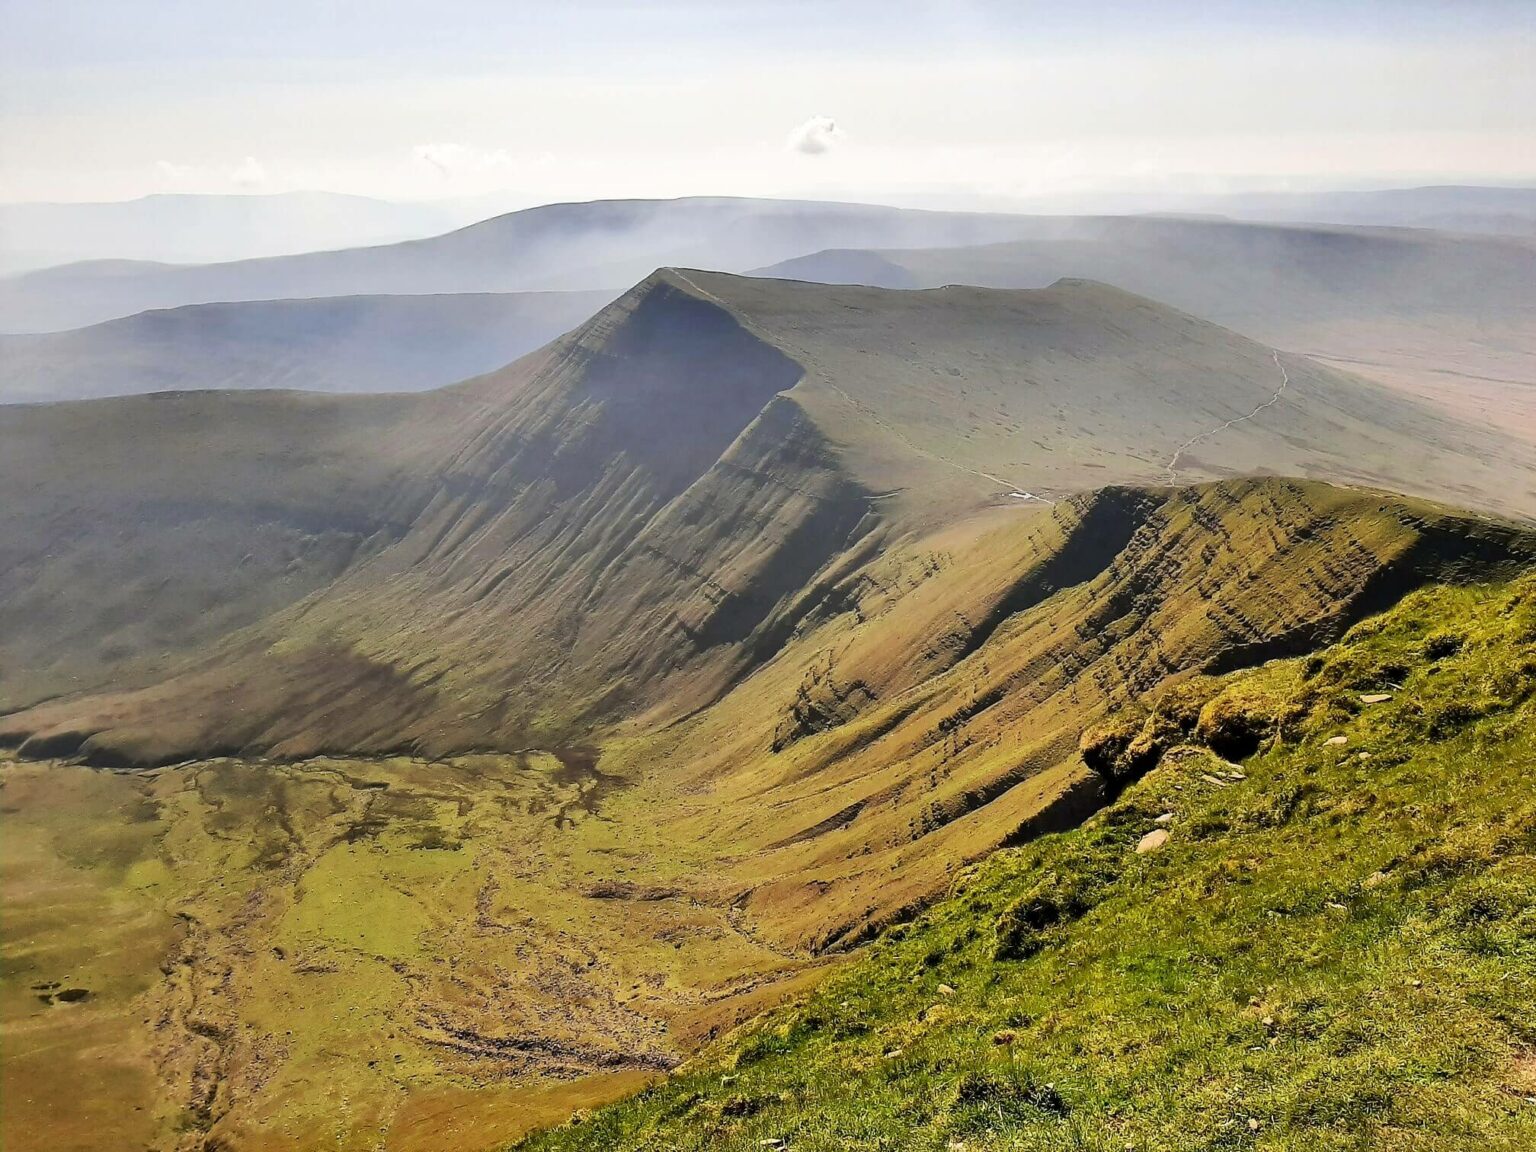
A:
(934, 711)
(631, 519)
(342, 344)
(1332, 947)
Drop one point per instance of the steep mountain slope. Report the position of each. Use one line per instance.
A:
(632, 517)
(1451, 318)
(1328, 944)
(603, 244)
(338, 344)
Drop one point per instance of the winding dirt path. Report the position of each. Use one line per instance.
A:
(1172, 467)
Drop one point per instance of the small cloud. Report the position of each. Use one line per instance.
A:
(816, 137)
(453, 160)
(249, 173)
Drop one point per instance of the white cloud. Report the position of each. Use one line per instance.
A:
(816, 137)
(249, 173)
(462, 160)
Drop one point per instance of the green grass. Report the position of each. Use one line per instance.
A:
(1336, 950)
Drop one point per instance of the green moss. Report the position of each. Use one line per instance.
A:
(1335, 949)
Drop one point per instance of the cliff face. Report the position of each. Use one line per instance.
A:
(939, 713)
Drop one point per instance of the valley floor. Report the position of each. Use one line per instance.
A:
(355, 953)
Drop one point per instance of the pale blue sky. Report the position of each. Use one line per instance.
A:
(106, 99)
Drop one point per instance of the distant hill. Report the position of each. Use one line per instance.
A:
(337, 344)
(1488, 209)
(1449, 207)
(1248, 275)
(1446, 318)
(603, 244)
(185, 228)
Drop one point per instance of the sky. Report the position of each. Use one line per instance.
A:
(954, 102)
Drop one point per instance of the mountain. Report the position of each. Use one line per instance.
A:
(485, 751)
(606, 243)
(1446, 318)
(335, 344)
(181, 228)
(546, 525)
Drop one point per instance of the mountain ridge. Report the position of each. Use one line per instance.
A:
(544, 492)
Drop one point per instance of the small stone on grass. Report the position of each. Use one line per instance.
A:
(1152, 841)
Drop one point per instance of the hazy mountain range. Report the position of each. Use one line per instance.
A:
(329, 344)
(181, 228)
(195, 229)
(603, 244)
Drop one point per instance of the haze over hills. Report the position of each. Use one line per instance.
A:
(197, 229)
(1447, 207)
(602, 244)
(331, 344)
(1446, 318)
(1492, 209)
(673, 659)
(180, 228)
(1443, 317)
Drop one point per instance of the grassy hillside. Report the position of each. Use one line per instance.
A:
(346, 344)
(1307, 925)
